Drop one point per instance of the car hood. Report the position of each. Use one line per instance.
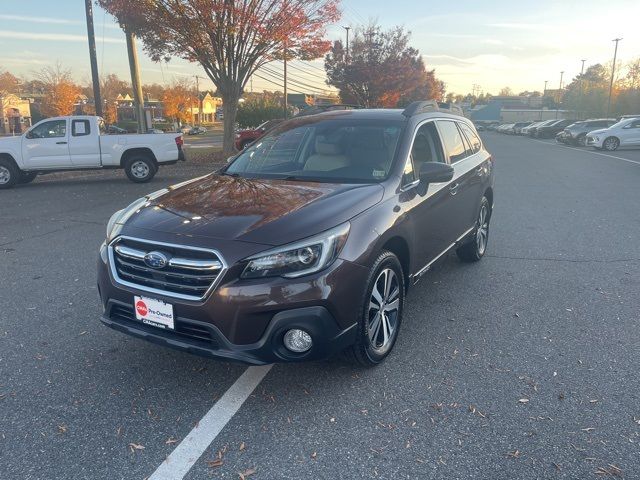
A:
(596, 132)
(271, 212)
(10, 142)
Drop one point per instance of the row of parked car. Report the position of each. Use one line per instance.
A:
(600, 133)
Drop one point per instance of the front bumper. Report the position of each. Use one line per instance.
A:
(205, 339)
(594, 141)
(246, 320)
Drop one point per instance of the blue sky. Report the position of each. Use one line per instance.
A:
(490, 43)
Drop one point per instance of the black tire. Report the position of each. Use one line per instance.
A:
(27, 177)
(581, 141)
(363, 351)
(244, 144)
(9, 173)
(611, 144)
(476, 245)
(140, 168)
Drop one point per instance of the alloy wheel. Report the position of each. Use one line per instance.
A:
(5, 175)
(482, 233)
(611, 144)
(384, 307)
(140, 169)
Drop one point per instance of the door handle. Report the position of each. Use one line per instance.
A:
(453, 189)
(61, 143)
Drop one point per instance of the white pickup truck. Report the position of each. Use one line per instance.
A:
(81, 143)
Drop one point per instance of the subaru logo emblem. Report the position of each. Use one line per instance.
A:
(156, 260)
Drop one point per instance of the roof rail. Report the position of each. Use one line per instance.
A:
(425, 106)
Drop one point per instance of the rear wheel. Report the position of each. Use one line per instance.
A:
(476, 246)
(9, 173)
(610, 144)
(245, 144)
(140, 169)
(382, 311)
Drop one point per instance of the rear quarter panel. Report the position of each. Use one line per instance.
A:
(163, 146)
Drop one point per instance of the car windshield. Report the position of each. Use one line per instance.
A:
(323, 149)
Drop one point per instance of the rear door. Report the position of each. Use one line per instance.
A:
(464, 188)
(83, 144)
(46, 146)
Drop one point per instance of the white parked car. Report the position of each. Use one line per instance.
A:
(625, 133)
(82, 143)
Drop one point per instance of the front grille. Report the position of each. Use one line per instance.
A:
(126, 316)
(184, 272)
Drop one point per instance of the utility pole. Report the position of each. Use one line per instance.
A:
(613, 71)
(135, 80)
(559, 94)
(97, 100)
(200, 104)
(286, 100)
(347, 28)
(581, 74)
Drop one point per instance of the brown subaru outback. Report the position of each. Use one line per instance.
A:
(305, 243)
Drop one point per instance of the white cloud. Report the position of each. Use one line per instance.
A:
(53, 37)
(49, 20)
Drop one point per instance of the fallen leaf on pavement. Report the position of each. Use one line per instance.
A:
(247, 473)
(171, 440)
(214, 463)
(314, 455)
(524, 400)
(135, 446)
(242, 446)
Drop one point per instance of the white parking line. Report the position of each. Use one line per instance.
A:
(187, 453)
(590, 151)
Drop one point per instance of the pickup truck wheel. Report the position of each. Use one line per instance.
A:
(382, 312)
(27, 177)
(9, 174)
(140, 169)
(476, 246)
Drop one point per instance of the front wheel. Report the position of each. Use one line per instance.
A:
(476, 246)
(382, 311)
(140, 169)
(9, 173)
(611, 144)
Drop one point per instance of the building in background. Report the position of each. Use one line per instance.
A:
(210, 106)
(512, 109)
(15, 114)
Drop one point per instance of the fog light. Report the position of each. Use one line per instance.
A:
(297, 340)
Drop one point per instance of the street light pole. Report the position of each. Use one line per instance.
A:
(347, 28)
(613, 71)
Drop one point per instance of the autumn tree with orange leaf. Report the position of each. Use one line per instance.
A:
(230, 39)
(381, 70)
(178, 101)
(60, 93)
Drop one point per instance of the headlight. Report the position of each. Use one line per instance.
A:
(300, 258)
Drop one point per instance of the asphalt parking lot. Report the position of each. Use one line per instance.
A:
(521, 366)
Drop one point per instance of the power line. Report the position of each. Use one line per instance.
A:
(311, 66)
(300, 84)
(275, 83)
(310, 84)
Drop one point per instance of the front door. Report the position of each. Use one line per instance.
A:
(428, 212)
(631, 134)
(46, 146)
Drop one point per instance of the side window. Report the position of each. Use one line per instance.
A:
(80, 128)
(52, 129)
(472, 137)
(452, 139)
(636, 124)
(426, 148)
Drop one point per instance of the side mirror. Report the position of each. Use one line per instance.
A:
(29, 135)
(435, 172)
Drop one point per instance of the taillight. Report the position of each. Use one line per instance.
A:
(179, 141)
